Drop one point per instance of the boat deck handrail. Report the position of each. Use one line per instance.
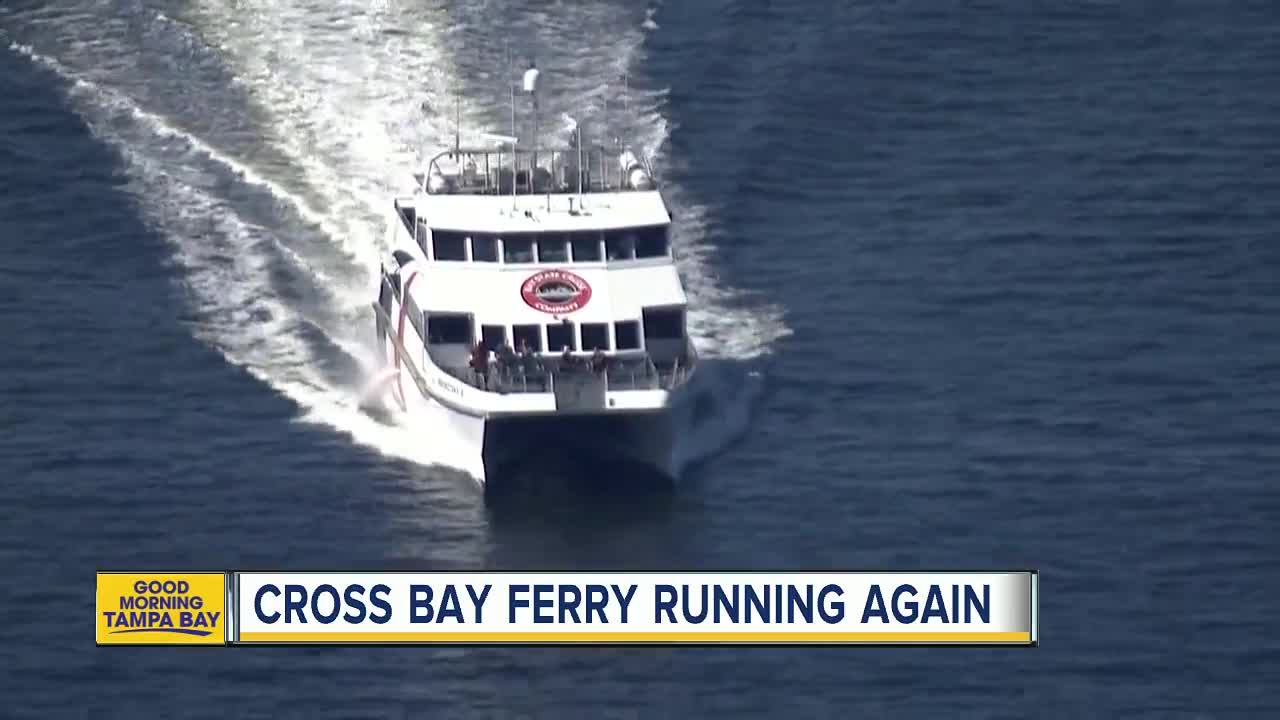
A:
(486, 171)
(540, 375)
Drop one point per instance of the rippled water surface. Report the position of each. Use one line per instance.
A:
(990, 284)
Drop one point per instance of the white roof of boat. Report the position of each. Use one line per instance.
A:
(530, 213)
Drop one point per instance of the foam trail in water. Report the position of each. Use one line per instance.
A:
(729, 394)
(345, 98)
(108, 102)
(227, 270)
(162, 127)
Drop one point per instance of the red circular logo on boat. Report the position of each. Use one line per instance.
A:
(555, 292)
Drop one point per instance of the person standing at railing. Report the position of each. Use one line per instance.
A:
(599, 362)
(566, 360)
(528, 361)
(480, 364)
(507, 356)
(507, 362)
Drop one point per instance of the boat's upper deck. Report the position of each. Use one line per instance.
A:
(471, 191)
(487, 171)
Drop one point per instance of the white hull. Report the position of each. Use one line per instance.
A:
(460, 436)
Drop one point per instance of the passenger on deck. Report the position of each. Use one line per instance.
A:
(506, 354)
(480, 363)
(567, 361)
(507, 360)
(599, 362)
(528, 361)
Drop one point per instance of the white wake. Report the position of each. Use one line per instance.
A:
(351, 93)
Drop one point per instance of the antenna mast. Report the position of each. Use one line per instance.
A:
(514, 139)
(457, 123)
(515, 159)
(626, 111)
(531, 87)
(579, 168)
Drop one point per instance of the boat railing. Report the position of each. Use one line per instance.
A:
(594, 169)
(539, 374)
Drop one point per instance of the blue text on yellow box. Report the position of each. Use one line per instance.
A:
(161, 608)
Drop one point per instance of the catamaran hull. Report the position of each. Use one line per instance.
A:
(596, 451)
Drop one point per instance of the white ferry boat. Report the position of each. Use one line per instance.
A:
(532, 303)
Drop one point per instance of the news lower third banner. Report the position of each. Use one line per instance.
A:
(519, 608)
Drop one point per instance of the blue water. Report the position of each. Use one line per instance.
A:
(1008, 269)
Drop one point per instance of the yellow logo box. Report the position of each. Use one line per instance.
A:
(136, 608)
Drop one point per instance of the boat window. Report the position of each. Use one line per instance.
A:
(446, 329)
(494, 336)
(627, 335)
(620, 244)
(402, 258)
(484, 248)
(408, 216)
(553, 248)
(447, 245)
(663, 323)
(595, 335)
(651, 241)
(530, 335)
(517, 249)
(415, 315)
(586, 247)
(559, 335)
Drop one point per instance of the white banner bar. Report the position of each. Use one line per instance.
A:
(787, 608)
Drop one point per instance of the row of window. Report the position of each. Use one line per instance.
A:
(517, 248)
(658, 324)
(561, 335)
(415, 316)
